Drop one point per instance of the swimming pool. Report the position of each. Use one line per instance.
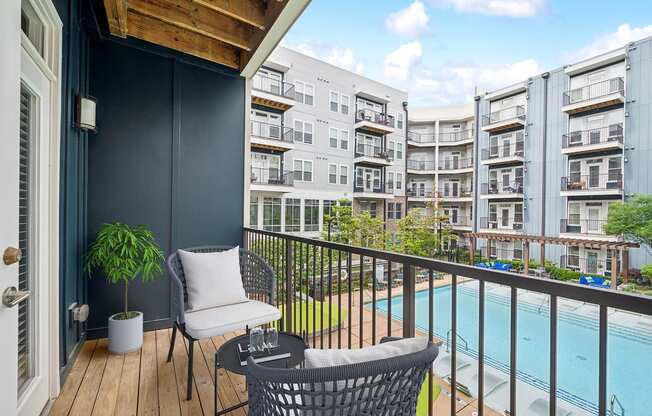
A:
(629, 346)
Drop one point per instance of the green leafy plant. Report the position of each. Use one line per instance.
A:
(646, 271)
(632, 219)
(124, 253)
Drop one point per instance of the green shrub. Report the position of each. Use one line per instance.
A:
(646, 271)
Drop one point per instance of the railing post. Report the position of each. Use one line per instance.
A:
(288, 286)
(409, 292)
(245, 243)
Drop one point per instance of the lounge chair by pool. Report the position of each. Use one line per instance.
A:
(541, 407)
(491, 383)
(595, 281)
(443, 365)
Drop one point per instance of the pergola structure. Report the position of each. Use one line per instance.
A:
(616, 247)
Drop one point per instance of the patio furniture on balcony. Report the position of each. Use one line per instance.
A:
(259, 286)
(388, 384)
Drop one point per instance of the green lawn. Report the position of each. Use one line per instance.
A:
(422, 401)
(306, 309)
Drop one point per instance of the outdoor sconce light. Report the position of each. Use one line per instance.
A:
(86, 113)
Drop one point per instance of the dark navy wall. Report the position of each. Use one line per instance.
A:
(169, 153)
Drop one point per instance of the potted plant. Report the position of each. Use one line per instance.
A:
(124, 253)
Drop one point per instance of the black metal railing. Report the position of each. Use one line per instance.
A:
(272, 85)
(421, 164)
(496, 253)
(271, 176)
(595, 90)
(516, 112)
(459, 192)
(496, 188)
(582, 226)
(455, 163)
(420, 138)
(459, 220)
(588, 265)
(516, 149)
(367, 114)
(364, 150)
(380, 190)
(502, 223)
(335, 290)
(272, 131)
(455, 136)
(608, 134)
(600, 182)
(419, 193)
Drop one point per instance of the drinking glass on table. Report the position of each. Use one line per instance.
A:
(256, 340)
(271, 338)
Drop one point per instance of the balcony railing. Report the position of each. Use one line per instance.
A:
(373, 116)
(420, 138)
(459, 221)
(455, 163)
(516, 112)
(593, 91)
(420, 193)
(272, 85)
(516, 149)
(585, 264)
(272, 131)
(582, 226)
(459, 192)
(601, 182)
(362, 150)
(421, 164)
(359, 188)
(271, 176)
(609, 134)
(502, 223)
(339, 276)
(455, 136)
(495, 188)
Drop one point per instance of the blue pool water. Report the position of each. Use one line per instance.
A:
(629, 349)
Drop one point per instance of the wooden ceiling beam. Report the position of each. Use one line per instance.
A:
(188, 15)
(251, 12)
(164, 34)
(116, 14)
(274, 9)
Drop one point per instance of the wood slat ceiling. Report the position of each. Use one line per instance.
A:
(227, 32)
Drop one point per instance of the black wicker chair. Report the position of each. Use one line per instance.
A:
(381, 387)
(259, 285)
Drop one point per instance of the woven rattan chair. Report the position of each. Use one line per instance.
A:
(259, 285)
(382, 387)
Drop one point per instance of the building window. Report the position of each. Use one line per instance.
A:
(328, 208)
(399, 120)
(518, 250)
(390, 182)
(394, 210)
(303, 170)
(334, 101)
(346, 102)
(304, 92)
(399, 151)
(344, 139)
(369, 206)
(311, 215)
(292, 215)
(614, 169)
(399, 180)
(573, 213)
(390, 149)
(332, 174)
(332, 137)
(253, 212)
(573, 258)
(303, 131)
(272, 214)
(344, 175)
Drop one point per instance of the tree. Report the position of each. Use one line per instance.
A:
(422, 232)
(359, 230)
(632, 220)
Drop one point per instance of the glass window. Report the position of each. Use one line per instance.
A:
(307, 171)
(574, 213)
(32, 26)
(614, 168)
(376, 178)
(332, 137)
(328, 208)
(253, 212)
(334, 101)
(298, 131)
(399, 120)
(299, 88)
(332, 173)
(292, 215)
(307, 132)
(390, 149)
(359, 177)
(399, 180)
(298, 170)
(345, 104)
(344, 139)
(518, 250)
(390, 182)
(272, 214)
(344, 174)
(309, 95)
(399, 151)
(311, 215)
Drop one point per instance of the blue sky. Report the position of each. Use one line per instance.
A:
(439, 50)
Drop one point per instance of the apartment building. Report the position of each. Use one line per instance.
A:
(440, 163)
(320, 134)
(557, 149)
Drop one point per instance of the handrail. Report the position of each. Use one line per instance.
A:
(272, 131)
(453, 164)
(455, 136)
(599, 135)
(420, 137)
(600, 182)
(517, 111)
(614, 400)
(594, 90)
(367, 114)
(516, 149)
(421, 164)
(448, 334)
(272, 85)
(497, 188)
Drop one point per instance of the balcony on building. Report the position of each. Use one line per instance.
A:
(455, 194)
(272, 92)
(421, 167)
(459, 222)
(271, 180)
(415, 194)
(585, 228)
(507, 118)
(271, 136)
(506, 154)
(499, 190)
(593, 140)
(370, 192)
(502, 224)
(592, 185)
(594, 96)
(374, 121)
(371, 155)
(420, 139)
(456, 138)
(452, 165)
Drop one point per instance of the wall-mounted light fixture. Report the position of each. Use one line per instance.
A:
(86, 113)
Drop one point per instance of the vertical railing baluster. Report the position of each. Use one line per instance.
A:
(373, 302)
(481, 348)
(314, 297)
(431, 330)
(294, 288)
(339, 301)
(553, 355)
(361, 314)
(350, 304)
(409, 307)
(288, 286)
(301, 276)
(453, 341)
(389, 298)
(512, 351)
(602, 371)
(321, 282)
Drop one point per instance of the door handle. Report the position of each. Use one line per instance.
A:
(12, 255)
(12, 296)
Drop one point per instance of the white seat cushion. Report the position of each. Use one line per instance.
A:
(317, 358)
(219, 320)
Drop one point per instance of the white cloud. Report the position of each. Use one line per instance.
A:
(398, 64)
(341, 57)
(409, 22)
(604, 43)
(511, 8)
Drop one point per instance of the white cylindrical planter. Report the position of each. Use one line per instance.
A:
(125, 335)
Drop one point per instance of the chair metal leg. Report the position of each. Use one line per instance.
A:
(174, 337)
(191, 344)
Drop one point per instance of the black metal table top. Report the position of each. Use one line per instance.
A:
(227, 355)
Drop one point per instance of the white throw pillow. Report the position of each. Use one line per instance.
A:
(317, 358)
(212, 279)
